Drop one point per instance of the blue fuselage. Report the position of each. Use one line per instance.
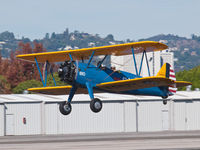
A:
(95, 75)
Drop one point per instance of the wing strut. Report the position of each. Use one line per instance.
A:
(90, 59)
(144, 53)
(147, 63)
(39, 72)
(70, 56)
(45, 72)
(44, 77)
(141, 62)
(100, 62)
(134, 61)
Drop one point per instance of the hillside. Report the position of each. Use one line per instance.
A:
(55, 42)
(186, 50)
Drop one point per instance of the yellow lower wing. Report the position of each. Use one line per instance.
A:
(57, 90)
(114, 86)
(134, 84)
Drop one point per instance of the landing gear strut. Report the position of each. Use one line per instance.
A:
(65, 108)
(96, 105)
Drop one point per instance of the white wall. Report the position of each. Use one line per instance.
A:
(186, 115)
(168, 57)
(154, 64)
(193, 115)
(130, 123)
(51, 118)
(16, 112)
(126, 63)
(116, 116)
(179, 115)
(83, 120)
(150, 116)
(2, 119)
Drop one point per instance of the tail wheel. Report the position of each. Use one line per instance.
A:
(65, 108)
(165, 102)
(96, 105)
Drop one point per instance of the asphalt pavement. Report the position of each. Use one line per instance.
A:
(189, 140)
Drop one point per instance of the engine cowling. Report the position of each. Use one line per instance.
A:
(67, 71)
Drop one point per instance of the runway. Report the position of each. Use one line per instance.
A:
(115, 141)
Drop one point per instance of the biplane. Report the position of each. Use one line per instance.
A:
(82, 76)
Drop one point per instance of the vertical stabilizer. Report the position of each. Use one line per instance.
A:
(164, 71)
(167, 72)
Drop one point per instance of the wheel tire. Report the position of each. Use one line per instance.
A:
(96, 105)
(65, 108)
(165, 102)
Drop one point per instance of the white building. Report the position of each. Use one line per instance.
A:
(155, 61)
(39, 114)
(167, 57)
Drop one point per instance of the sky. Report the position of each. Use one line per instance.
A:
(125, 19)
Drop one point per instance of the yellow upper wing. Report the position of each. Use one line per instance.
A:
(78, 54)
(134, 84)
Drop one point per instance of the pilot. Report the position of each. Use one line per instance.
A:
(102, 66)
(113, 68)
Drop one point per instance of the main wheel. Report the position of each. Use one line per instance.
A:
(65, 108)
(96, 105)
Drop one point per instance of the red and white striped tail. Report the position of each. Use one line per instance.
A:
(172, 88)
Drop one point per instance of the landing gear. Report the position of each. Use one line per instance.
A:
(165, 102)
(96, 105)
(65, 108)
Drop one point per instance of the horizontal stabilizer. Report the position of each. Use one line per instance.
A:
(182, 83)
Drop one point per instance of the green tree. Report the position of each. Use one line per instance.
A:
(34, 83)
(192, 75)
(50, 81)
(19, 89)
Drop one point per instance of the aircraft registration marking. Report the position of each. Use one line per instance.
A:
(82, 73)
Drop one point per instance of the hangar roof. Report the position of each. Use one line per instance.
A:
(181, 95)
